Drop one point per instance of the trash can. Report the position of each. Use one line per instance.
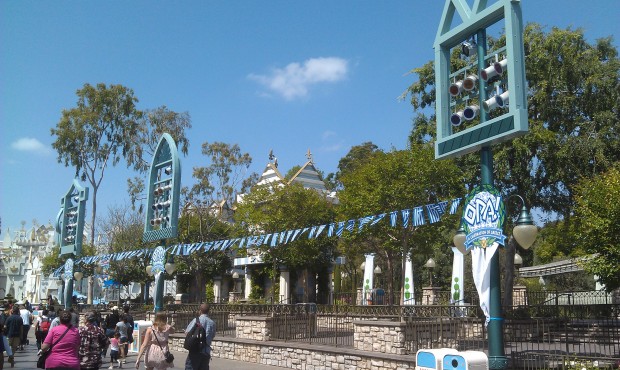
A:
(139, 330)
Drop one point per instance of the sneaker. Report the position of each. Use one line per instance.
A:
(111, 367)
(120, 364)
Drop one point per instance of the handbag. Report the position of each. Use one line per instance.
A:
(169, 357)
(44, 355)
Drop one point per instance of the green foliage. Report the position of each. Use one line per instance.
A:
(282, 207)
(53, 260)
(573, 102)
(597, 226)
(96, 134)
(124, 227)
(222, 178)
(393, 181)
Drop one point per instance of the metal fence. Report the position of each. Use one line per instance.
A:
(536, 337)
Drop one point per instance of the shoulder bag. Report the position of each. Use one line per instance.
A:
(169, 357)
(44, 355)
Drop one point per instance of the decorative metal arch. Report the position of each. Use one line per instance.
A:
(71, 219)
(164, 187)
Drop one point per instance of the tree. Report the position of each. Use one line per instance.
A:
(95, 134)
(202, 266)
(393, 181)
(597, 225)
(153, 124)
(573, 101)
(356, 156)
(223, 177)
(278, 207)
(123, 228)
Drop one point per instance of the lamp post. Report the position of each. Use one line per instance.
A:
(518, 261)
(430, 265)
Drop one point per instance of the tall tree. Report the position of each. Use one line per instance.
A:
(356, 156)
(395, 181)
(223, 177)
(574, 105)
(278, 207)
(597, 225)
(94, 134)
(123, 228)
(152, 125)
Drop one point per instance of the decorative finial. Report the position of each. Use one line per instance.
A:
(309, 155)
(271, 156)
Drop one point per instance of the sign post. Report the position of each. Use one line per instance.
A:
(70, 228)
(479, 105)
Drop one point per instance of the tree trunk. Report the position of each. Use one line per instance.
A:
(93, 216)
(509, 271)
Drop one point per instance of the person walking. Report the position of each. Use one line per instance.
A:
(121, 328)
(92, 341)
(129, 321)
(200, 360)
(110, 322)
(42, 327)
(115, 343)
(14, 326)
(27, 322)
(155, 344)
(5, 347)
(63, 342)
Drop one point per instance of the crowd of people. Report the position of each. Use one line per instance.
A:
(67, 345)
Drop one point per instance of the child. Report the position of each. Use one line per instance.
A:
(114, 351)
(4, 346)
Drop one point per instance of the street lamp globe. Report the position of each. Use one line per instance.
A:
(525, 231)
(518, 261)
(378, 270)
(149, 270)
(363, 266)
(459, 240)
(78, 275)
(235, 275)
(430, 263)
(170, 267)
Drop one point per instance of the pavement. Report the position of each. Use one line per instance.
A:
(27, 359)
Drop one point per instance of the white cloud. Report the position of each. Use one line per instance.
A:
(28, 144)
(294, 80)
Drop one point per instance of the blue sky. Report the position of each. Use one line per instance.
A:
(283, 75)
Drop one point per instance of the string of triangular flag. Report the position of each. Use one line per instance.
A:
(415, 216)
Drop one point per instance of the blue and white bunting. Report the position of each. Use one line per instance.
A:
(418, 216)
(406, 213)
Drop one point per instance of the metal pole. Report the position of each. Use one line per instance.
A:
(497, 356)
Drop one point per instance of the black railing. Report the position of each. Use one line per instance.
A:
(549, 334)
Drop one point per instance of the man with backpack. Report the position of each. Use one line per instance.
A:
(42, 327)
(198, 337)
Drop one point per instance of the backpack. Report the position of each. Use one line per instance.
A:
(196, 338)
(44, 325)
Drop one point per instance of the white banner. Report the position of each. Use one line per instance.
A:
(480, 261)
(458, 282)
(368, 278)
(409, 298)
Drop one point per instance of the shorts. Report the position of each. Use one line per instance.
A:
(124, 340)
(114, 355)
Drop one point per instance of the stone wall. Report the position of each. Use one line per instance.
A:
(294, 355)
(379, 345)
(253, 327)
(379, 336)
